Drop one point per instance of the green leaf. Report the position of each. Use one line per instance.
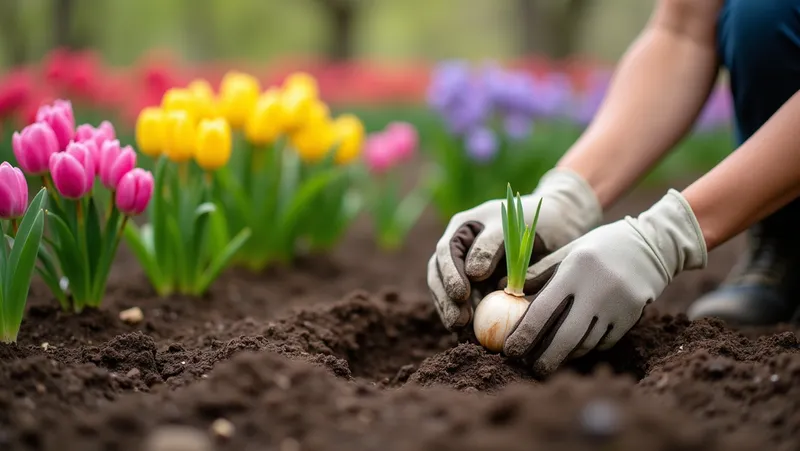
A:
(160, 209)
(94, 238)
(221, 261)
(69, 256)
(135, 238)
(50, 275)
(28, 220)
(410, 210)
(179, 252)
(297, 209)
(198, 234)
(23, 270)
(106, 258)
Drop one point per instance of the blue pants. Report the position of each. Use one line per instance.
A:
(758, 42)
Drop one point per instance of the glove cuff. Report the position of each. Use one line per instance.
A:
(581, 209)
(672, 230)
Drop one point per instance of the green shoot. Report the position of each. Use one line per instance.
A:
(518, 238)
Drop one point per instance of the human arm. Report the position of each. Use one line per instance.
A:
(591, 292)
(657, 92)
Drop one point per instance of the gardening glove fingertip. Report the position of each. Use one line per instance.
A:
(451, 252)
(484, 255)
(452, 314)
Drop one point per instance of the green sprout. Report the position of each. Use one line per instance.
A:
(518, 238)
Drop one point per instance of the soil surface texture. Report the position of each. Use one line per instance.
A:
(345, 352)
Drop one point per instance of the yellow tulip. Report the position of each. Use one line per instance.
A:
(181, 99)
(238, 95)
(302, 81)
(180, 134)
(266, 121)
(349, 136)
(213, 146)
(150, 131)
(205, 98)
(297, 101)
(314, 140)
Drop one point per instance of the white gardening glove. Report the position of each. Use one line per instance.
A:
(591, 292)
(472, 245)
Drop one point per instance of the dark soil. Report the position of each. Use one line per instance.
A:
(346, 352)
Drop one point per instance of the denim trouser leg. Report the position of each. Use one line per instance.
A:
(759, 44)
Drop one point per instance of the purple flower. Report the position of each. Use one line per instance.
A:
(518, 126)
(587, 104)
(481, 144)
(448, 82)
(718, 110)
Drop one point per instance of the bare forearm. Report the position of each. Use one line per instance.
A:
(656, 94)
(761, 176)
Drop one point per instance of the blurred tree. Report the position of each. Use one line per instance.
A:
(11, 33)
(341, 16)
(551, 27)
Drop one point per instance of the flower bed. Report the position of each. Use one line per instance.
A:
(346, 352)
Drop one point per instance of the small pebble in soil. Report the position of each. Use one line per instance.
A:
(600, 419)
(290, 444)
(45, 346)
(134, 373)
(178, 438)
(223, 428)
(133, 315)
(774, 378)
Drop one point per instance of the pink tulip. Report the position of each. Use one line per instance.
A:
(34, 146)
(134, 191)
(60, 118)
(405, 139)
(13, 192)
(73, 171)
(379, 153)
(104, 132)
(115, 162)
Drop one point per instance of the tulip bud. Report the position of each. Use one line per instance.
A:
(73, 171)
(213, 148)
(134, 192)
(265, 123)
(302, 81)
(95, 138)
(180, 135)
(238, 95)
(297, 103)
(60, 118)
(350, 136)
(204, 97)
(176, 99)
(405, 139)
(115, 162)
(150, 131)
(33, 147)
(378, 153)
(13, 192)
(102, 133)
(314, 140)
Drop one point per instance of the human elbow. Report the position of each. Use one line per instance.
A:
(694, 19)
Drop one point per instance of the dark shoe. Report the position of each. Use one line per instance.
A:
(764, 287)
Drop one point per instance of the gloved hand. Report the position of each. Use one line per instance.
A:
(472, 245)
(592, 291)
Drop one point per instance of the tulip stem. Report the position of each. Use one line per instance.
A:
(183, 173)
(14, 227)
(48, 184)
(111, 204)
